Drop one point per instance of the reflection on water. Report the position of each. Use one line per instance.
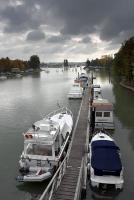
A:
(32, 190)
(124, 109)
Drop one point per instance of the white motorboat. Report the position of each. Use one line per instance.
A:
(102, 112)
(97, 92)
(105, 165)
(75, 92)
(82, 79)
(45, 145)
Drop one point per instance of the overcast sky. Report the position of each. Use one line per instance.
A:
(64, 29)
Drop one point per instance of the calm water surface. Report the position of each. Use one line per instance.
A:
(24, 101)
(123, 101)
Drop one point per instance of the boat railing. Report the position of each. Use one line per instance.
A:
(53, 185)
(60, 110)
(80, 181)
(49, 192)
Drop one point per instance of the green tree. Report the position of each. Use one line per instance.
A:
(87, 63)
(124, 61)
(34, 62)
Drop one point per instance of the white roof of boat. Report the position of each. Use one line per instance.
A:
(102, 104)
(47, 129)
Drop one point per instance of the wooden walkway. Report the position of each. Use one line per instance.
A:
(69, 183)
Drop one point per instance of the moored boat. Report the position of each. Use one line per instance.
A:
(105, 165)
(75, 92)
(45, 145)
(97, 92)
(102, 114)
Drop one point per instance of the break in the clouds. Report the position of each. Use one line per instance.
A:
(64, 29)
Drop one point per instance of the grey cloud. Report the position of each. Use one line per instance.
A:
(35, 35)
(58, 39)
(86, 39)
(111, 20)
(20, 18)
(72, 17)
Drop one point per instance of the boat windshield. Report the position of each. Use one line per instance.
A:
(39, 149)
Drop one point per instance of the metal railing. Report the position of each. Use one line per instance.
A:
(53, 185)
(80, 182)
(55, 181)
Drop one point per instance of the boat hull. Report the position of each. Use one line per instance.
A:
(105, 173)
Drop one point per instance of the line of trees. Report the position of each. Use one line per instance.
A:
(124, 62)
(7, 64)
(104, 61)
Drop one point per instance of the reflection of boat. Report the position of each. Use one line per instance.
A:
(45, 145)
(18, 76)
(75, 91)
(102, 112)
(46, 70)
(105, 163)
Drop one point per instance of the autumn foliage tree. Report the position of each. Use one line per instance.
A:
(124, 61)
(6, 64)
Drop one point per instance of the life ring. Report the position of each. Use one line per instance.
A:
(28, 136)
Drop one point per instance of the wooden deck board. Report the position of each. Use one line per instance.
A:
(66, 190)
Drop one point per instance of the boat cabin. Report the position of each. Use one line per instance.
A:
(102, 114)
(45, 140)
(96, 92)
(75, 91)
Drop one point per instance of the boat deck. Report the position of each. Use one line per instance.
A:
(69, 184)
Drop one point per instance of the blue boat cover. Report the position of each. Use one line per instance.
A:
(105, 158)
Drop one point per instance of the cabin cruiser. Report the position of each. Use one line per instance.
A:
(82, 79)
(105, 165)
(75, 92)
(102, 113)
(45, 145)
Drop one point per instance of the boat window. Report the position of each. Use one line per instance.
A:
(98, 114)
(106, 114)
(39, 149)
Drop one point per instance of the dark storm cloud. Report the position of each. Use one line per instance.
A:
(20, 18)
(78, 16)
(35, 35)
(111, 20)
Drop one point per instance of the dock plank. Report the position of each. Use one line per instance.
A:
(67, 188)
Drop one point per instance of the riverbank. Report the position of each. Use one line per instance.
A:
(127, 86)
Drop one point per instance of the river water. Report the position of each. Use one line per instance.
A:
(24, 101)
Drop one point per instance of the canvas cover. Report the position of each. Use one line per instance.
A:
(105, 158)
